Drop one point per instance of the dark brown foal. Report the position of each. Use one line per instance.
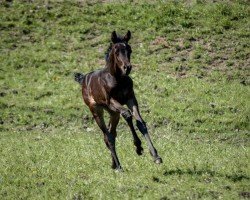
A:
(109, 89)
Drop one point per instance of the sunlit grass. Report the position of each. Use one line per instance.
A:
(191, 78)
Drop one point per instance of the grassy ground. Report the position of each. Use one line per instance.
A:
(191, 75)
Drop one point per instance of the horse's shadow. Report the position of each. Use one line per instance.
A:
(199, 172)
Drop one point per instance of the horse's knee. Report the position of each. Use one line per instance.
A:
(141, 126)
(127, 115)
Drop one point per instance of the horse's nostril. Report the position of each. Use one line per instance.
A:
(127, 67)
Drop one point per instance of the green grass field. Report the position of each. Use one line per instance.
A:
(191, 72)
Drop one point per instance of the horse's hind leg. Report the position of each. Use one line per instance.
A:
(108, 137)
(114, 120)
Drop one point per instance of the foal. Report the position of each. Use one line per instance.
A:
(109, 89)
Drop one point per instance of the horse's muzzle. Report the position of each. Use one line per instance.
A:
(127, 69)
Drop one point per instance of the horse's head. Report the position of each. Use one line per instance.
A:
(116, 39)
(120, 53)
(121, 58)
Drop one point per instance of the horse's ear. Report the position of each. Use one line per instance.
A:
(127, 36)
(114, 37)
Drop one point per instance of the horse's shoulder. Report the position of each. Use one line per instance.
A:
(125, 81)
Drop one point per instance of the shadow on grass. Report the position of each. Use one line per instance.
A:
(195, 172)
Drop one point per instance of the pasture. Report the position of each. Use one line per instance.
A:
(191, 77)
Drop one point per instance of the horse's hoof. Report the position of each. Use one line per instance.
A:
(119, 169)
(158, 160)
(139, 151)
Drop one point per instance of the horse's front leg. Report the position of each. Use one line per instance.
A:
(133, 106)
(117, 107)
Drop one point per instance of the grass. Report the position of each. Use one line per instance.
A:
(191, 76)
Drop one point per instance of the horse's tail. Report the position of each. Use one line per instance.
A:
(79, 77)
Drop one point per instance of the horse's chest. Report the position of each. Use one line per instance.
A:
(121, 94)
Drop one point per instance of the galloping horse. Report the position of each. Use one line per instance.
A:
(109, 89)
